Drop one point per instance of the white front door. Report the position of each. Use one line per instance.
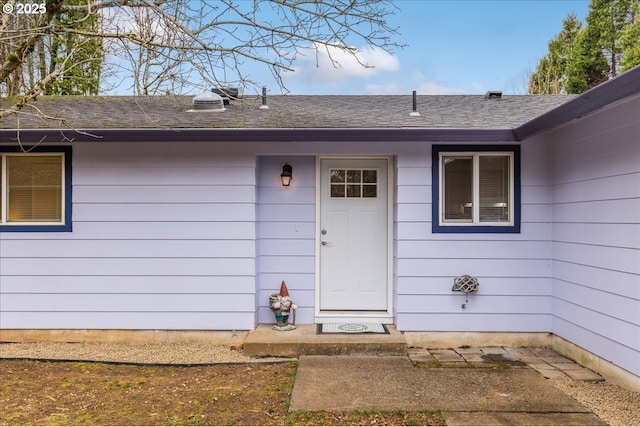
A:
(353, 235)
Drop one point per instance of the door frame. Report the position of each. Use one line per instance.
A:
(383, 316)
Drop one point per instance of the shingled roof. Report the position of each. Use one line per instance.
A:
(285, 112)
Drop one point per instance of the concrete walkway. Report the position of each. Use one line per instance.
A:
(471, 386)
(496, 395)
(545, 361)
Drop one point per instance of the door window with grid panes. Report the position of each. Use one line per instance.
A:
(354, 183)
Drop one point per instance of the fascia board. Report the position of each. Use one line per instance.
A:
(301, 135)
(616, 89)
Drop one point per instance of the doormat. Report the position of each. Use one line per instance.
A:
(352, 328)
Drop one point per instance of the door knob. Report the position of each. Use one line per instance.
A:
(324, 242)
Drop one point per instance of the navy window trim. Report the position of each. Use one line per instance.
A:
(67, 226)
(436, 227)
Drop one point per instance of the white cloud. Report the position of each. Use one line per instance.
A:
(331, 64)
(403, 88)
(391, 88)
(418, 75)
(433, 88)
(347, 75)
(425, 86)
(478, 87)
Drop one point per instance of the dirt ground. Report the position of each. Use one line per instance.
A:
(82, 393)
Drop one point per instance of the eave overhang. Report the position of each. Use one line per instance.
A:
(622, 86)
(57, 136)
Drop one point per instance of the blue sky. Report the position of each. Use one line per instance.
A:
(454, 47)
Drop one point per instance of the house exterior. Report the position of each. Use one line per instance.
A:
(138, 214)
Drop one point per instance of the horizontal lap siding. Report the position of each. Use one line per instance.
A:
(163, 238)
(121, 267)
(286, 235)
(596, 234)
(513, 269)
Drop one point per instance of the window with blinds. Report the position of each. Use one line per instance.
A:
(494, 177)
(476, 188)
(32, 190)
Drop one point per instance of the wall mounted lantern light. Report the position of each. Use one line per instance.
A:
(286, 175)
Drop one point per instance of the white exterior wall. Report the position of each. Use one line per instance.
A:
(286, 235)
(513, 269)
(196, 236)
(596, 233)
(163, 238)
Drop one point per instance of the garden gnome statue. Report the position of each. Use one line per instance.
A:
(281, 305)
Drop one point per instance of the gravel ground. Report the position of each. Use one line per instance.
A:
(165, 353)
(613, 404)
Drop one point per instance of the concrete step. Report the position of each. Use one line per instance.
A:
(264, 341)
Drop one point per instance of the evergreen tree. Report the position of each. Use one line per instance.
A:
(52, 51)
(83, 55)
(630, 40)
(587, 66)
(606, 22)
(580, 58)
(550, 75)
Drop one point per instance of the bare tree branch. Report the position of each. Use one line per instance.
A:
(158, 46)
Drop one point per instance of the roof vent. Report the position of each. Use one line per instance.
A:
(264, 105)
(414, 112)
(207, 101)
(228, 93)
(493, 94)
